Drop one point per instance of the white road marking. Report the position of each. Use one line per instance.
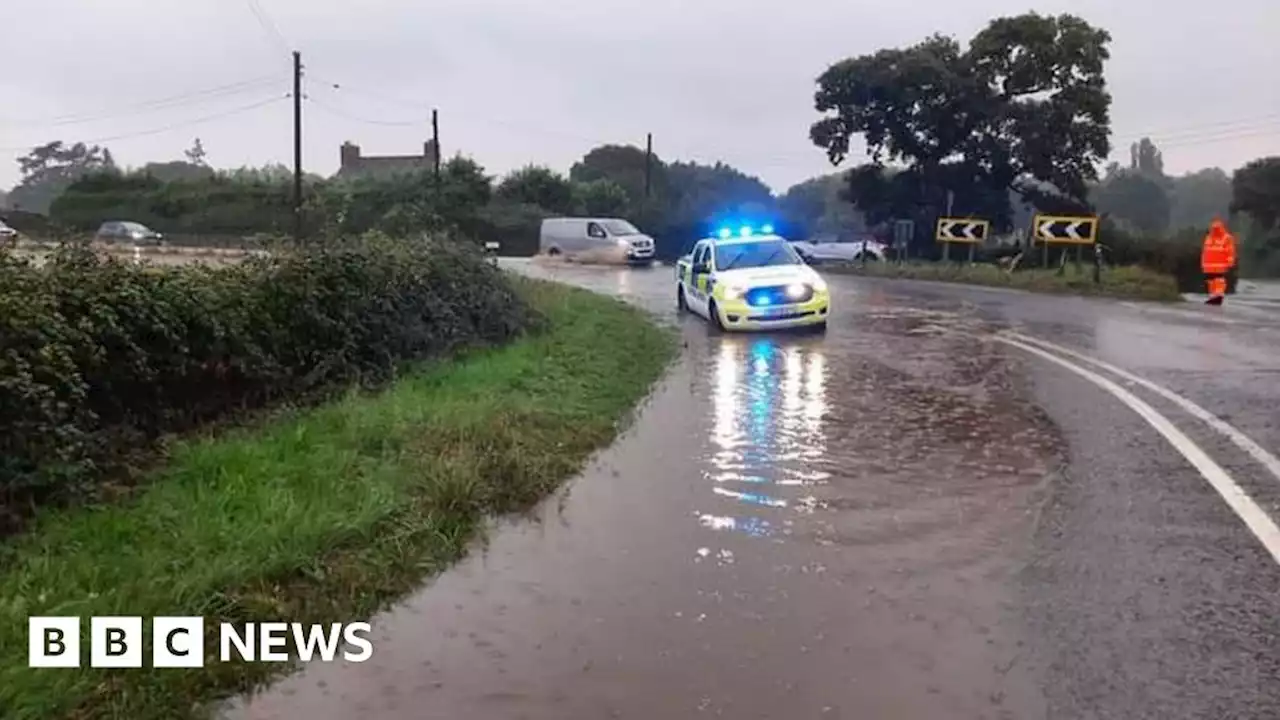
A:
(1254, 517)
(1242, 441)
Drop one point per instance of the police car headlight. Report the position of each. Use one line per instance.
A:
(796, 291)
(733, 292)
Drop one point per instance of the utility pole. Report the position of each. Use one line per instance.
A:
(297, 145)
(435, 146)
(648, 165)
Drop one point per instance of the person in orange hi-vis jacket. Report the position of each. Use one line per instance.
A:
(1217, 257)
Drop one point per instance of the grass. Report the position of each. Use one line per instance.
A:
(1122, 282)
(323, 515)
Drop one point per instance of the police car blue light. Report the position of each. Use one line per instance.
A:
(744, 231)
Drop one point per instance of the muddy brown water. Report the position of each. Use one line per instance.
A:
(794, 527)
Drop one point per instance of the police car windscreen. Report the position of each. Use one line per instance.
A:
(620, 227)
(732, 256)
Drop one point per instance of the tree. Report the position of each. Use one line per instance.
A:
(50, 168)
(1136, 199)
(817, 206)
(1146, 160)
(464, 184)
(1026, 99)
(625, 165)
(196, 154)
(1198, 197)
(534, 185)
(270, 173)
(178, 170)
(602, 198)
(700, 195)
(4, 199)
(1255, 191)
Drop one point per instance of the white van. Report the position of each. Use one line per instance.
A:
(600, 238)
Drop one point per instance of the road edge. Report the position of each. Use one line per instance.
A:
(589, 371)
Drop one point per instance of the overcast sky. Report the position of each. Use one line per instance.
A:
(519, 81)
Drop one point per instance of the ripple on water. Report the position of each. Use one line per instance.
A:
(911, 427)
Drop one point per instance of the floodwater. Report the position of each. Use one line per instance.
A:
(796, 526)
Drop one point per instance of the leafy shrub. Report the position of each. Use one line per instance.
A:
(98, 355)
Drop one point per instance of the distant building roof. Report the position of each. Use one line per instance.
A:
(353, 163)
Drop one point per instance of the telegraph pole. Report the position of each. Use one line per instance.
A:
(297, 145)
(435, 145)
(648, 165)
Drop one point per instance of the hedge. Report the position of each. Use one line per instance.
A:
(99, 356)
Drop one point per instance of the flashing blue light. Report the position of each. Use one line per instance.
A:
(766, 229)
(724, 232)
(745, 231)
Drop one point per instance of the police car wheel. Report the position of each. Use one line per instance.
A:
(681, 304)
(714, 313)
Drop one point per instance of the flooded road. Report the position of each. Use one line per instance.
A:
(904, 518)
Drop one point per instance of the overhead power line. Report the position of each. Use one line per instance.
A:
(1207, 129)
(268, 25)
(173, 126)
(147, 106)
(369, 121)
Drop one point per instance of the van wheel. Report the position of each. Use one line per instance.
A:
(714, 313)
(681, 304)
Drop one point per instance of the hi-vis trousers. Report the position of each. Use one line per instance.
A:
(1216, 284)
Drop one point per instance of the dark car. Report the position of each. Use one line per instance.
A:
(128, 232)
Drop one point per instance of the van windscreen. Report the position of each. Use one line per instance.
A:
(619, 227)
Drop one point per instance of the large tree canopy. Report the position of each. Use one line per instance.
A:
(1026, 99)
(1136, 200)
(625, 165)
(601, 198)
(1199, 196)
(818, 207)
(536, 185)
(1256, 192)
(51, 168)
(709, 194)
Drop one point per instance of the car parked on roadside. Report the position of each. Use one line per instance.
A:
(7, 234)
(123, 231)
(826, 249)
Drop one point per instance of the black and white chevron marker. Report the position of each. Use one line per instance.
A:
(961, 230)
(1066, 229)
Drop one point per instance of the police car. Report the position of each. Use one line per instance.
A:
(748, 280)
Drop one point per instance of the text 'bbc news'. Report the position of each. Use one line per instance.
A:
(179, 642)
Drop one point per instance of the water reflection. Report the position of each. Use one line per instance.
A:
(768, 438)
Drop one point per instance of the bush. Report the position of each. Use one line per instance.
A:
(98, 355)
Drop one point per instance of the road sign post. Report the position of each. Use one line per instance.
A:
(903, 231)
(961, 230)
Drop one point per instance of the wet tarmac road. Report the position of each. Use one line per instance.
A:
(905, 518)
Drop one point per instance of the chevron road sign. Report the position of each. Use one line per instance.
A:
(961, 230)
(1067, 229)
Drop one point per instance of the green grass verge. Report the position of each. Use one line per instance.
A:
(324, 514)
(1122, 282)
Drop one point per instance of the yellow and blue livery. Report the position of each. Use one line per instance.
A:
(749, 281)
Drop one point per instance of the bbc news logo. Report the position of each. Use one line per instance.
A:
(179, 642)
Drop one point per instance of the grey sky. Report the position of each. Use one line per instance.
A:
(519, 81)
